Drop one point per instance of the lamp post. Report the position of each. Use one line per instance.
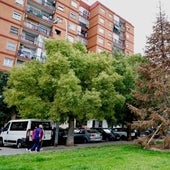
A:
(60, 20)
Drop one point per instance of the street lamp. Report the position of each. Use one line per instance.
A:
(58, 20)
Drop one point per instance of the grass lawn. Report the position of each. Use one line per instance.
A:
(111, 157)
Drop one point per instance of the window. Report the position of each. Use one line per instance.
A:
(72, 15)
(19, 2)
(100, 40)
(19, 126)
(127, 36)
(74, 4)
(110, 25)
(109, 44)
(46, 125)
(58, 32)
(70, 38)
(101, 20)
(16, 16)
(11, 46)
(19, 63)
(116, 18)
(61, 8)
(99, 50)
(110, 16)
(102, 11)
(6, 127)
(127, 28)
(8, 62)
(110, 35)
(14, 30)
(72, 26)
(127, 45)
(101, 30)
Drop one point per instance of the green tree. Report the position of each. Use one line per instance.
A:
(71, 84)
(125, 65)
(5, 112)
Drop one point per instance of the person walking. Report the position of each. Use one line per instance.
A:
(38, 136)
(32, 142)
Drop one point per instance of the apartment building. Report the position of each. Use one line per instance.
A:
(25, 24)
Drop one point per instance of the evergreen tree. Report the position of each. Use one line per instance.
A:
(153, 84)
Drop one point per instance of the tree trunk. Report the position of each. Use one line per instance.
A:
(129, 137)
(56, 133)
(70, 137)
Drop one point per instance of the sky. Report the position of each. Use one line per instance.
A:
(140, 13)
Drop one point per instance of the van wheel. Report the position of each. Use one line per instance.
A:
(19, 144)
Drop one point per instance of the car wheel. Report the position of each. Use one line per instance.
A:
(85, 140)
(19, 144)
(107, 139)
(123, 137)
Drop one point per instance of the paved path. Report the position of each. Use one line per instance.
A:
(13, 151)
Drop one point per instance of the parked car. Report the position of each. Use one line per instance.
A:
(80, 136)
(123, 133)
(87, 135)
(107, 135)
(146, 132)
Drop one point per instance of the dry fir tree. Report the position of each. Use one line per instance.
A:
(152, 95)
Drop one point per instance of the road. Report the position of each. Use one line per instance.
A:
(14, 151)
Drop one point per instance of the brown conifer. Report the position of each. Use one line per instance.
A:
(152, 94)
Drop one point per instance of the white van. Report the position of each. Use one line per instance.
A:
(19, 132)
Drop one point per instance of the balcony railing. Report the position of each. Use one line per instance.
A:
(84, 14)
(37, 28)
(46, 4)
(30, 56)
(39, 14)
(32, 40)
(83, 24)
(82, 40)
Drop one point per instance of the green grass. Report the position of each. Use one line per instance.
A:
(112, 157)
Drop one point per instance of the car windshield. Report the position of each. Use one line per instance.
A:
(107, 130)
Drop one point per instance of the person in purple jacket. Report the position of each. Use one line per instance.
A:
(38, 136)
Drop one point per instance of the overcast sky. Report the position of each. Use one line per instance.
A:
(140, 13)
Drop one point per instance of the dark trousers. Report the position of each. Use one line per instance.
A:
(36, 145)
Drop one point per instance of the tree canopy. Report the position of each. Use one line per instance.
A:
(70, 84)
(5, 112)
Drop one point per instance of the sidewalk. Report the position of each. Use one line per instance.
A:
(14, 151)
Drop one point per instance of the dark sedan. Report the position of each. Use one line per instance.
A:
(107, 135)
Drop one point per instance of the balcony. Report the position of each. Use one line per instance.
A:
(116, 29)
(84, 14)
(27, 56)
(39, 29)
(47, 6)
(83, 25)
(82, 40)
(32, 41)
(118, 44)
(39, 16)
(82, 33)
